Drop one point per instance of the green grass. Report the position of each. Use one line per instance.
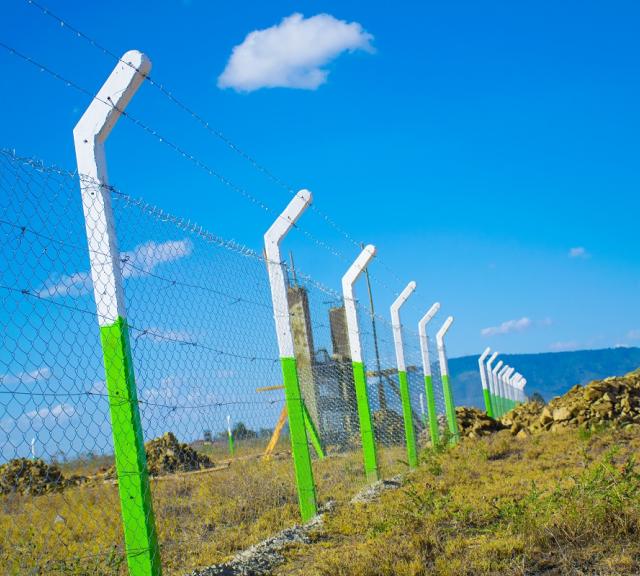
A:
(203, 517)
(554, 504)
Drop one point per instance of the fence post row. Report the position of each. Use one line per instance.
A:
(403, 382)
(434, 430)
(450, 407)
(359, 371)
(293, 396)
(485, 384)
(90, 134)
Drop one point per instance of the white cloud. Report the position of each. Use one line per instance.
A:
(146, 257)
(507, 327)
(30, 377)
(292, 54)
(633, 334)
(564, 346)
(143, 259)
(579, 252)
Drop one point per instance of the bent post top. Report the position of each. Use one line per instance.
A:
(424, 340)
(481, 360)
(272, 238)
(443, 330)
(489, 379)
(348, 280)
(397, 325)
(89, 136)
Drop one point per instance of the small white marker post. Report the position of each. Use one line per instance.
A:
(33, 448)
(486, 393)
(449, 403)
(423, 414)
(359, 372)
(434, 429)
(281, 314)
(403, 381)
(89, 135)
(230, 436)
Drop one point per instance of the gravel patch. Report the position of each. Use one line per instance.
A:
(261, 559)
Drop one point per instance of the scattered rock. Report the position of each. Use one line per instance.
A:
(614, 401)
(34, 477)
(474, 423)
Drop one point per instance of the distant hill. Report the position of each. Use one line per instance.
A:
(550, 374)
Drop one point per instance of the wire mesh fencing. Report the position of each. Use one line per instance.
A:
(193, 371)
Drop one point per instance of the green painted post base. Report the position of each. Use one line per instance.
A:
(450, 409)
(434, 430)
(231, 446)
(299, 444)
(140, 535)
(487, 402)
(366, 426)
(407, 415)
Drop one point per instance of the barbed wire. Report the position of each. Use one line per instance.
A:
(217, 132)
(173, 146)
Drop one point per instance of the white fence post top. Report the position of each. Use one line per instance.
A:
(287, 219)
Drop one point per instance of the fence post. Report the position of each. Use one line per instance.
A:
(293, 396)
(496, 387)
(359, 372)
(450, 406)
(503, 391)
(89, 135)
(403, 382)
(507, 379)
(485, 385)
(492, 388)
(434, 429)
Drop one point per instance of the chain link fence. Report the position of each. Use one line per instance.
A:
(208, 396)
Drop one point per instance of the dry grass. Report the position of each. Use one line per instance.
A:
(203, 517)
(555, 504)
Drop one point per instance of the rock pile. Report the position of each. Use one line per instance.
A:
(473, 423)
(166, 455)
(613, 401)
(34, 477)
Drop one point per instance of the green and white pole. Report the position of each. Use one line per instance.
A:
(449, 403)
(522, 384)
(503, 393)
(507, 381)
(232, 448)
(496, 387)
(486, 393)
(89, 135)
(403, 381)
(367, 436)
(434, 429)
(293, 396)
(491, 385)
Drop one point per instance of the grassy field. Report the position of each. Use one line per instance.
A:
(203, 517)
(552, 504)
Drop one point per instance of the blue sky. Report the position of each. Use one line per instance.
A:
(476, 146)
